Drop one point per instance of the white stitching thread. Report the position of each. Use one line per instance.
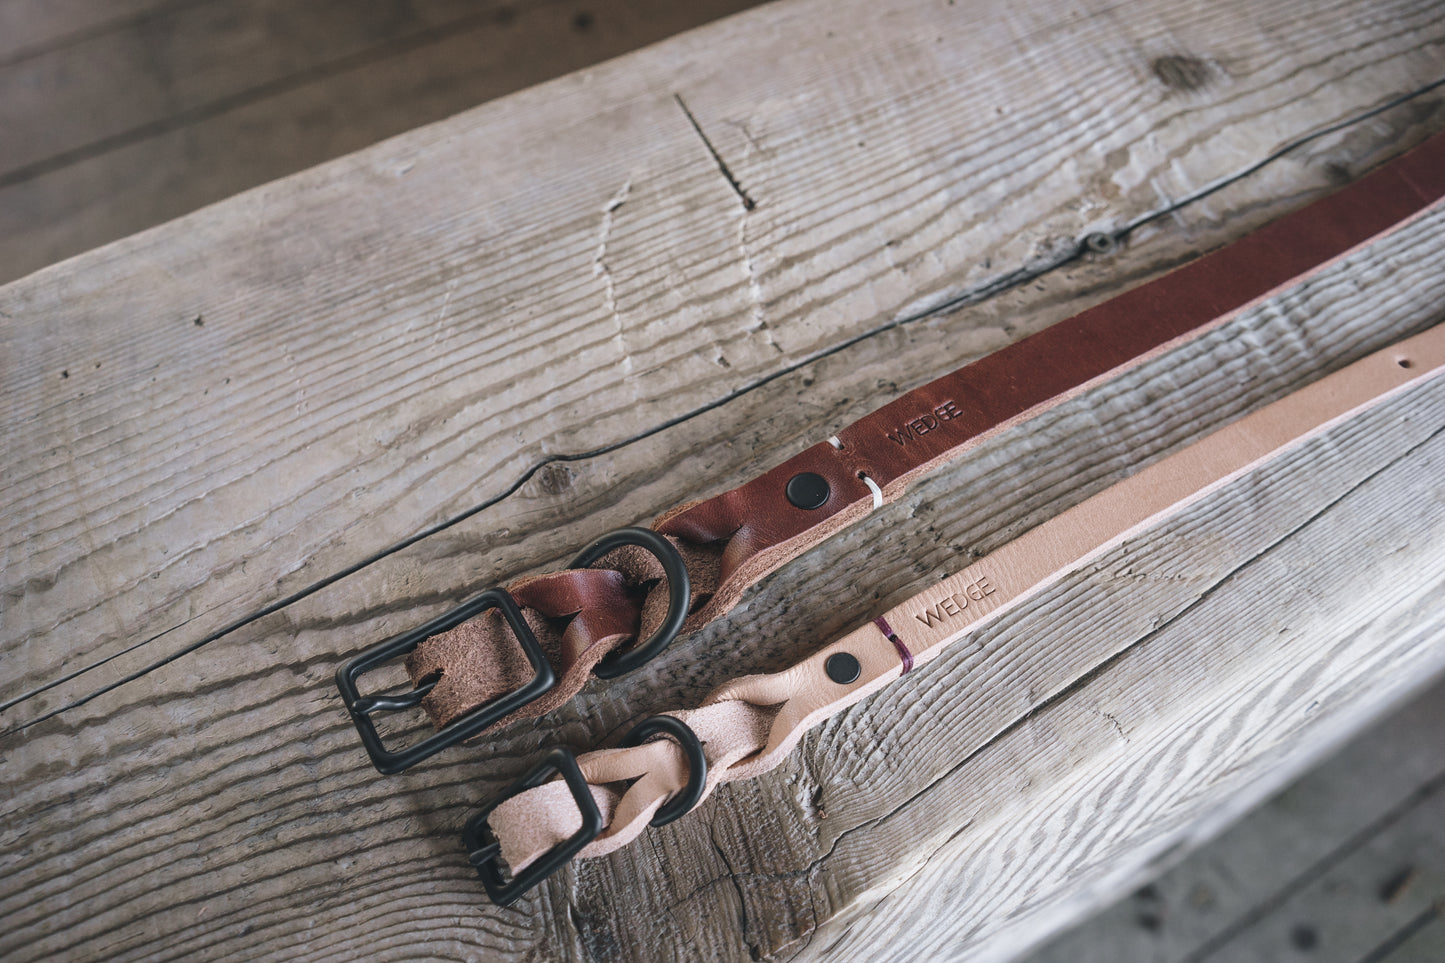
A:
(877, 492)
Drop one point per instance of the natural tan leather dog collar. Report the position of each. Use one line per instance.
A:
(526, 649)
(746, 727)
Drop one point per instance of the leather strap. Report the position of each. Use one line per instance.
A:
(749, 725)
(732, 540)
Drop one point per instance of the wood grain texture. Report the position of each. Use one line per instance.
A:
(1351, 841)
(205, 417)
(132, 117)
(390, 426)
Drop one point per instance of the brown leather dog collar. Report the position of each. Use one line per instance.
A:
(746, 727)
(528, 648)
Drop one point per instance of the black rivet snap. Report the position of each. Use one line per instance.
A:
(843, 668)
(807, 490)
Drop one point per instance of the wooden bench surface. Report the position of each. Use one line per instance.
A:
(671, 256)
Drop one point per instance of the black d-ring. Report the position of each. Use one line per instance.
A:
(691, 794)
(679, 595)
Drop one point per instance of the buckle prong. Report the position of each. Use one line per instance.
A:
(396, 703)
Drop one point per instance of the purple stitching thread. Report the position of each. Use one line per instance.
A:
(903, 652)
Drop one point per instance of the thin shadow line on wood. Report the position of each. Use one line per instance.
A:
(953, 302)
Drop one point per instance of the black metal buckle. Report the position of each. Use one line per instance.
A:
(679, 595)
(481, 843)
(691, 794)
(479, 718)
(483, 848)
(361, 707)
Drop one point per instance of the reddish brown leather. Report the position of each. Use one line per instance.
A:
(578, 617)
(734, 539)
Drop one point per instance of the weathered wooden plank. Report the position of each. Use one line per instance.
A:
(126, 127)
(1359, 907)
(311, 755)
(1196, 910)
(182, 62)
(847, 780)
(1343, 915)
(390, 428)
(220, 805)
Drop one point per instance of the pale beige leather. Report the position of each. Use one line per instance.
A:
(750, 724)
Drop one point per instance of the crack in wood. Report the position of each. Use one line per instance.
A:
(1117, 727)
(601, 270)
(1290, 147)
(748, 202)
(732, 877)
